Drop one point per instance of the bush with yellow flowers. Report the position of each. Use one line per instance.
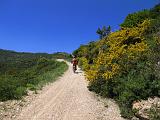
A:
(124, 64)
(124, 45)
(123, 68)
(126, 69)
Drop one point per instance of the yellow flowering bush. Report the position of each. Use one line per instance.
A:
(123, 65)
(126, 44)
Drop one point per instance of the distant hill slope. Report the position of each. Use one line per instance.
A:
(20, 71)
(8, 55)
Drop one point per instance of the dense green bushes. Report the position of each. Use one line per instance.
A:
(17, 75)
(132, 20)
(125, 64)
(10, 88)
(138, 83)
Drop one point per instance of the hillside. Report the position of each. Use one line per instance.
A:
(7, 55)
(20, 71)
(124, 65)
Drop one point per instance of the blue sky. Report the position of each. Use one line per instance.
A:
(60, 25)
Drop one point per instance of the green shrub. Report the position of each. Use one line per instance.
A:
(124, 66)
(31, 87)
(134, 19)
(15, 85)
(8, 85)
(19, 92)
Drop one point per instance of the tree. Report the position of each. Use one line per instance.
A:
(104, 31)
(99, 32)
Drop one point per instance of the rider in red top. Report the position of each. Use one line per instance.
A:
(74, 62)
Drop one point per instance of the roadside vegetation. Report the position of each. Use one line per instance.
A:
(20, 72)
(125, 64)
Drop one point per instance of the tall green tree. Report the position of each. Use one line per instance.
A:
(103, 32)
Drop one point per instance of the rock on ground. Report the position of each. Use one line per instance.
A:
(143, 107)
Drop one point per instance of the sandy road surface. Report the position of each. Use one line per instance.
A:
(69, 99)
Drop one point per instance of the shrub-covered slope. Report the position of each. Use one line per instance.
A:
(125, 64)
(22, 71)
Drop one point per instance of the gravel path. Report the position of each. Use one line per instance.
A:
(69, 99)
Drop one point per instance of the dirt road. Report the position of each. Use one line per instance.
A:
(69, 99)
